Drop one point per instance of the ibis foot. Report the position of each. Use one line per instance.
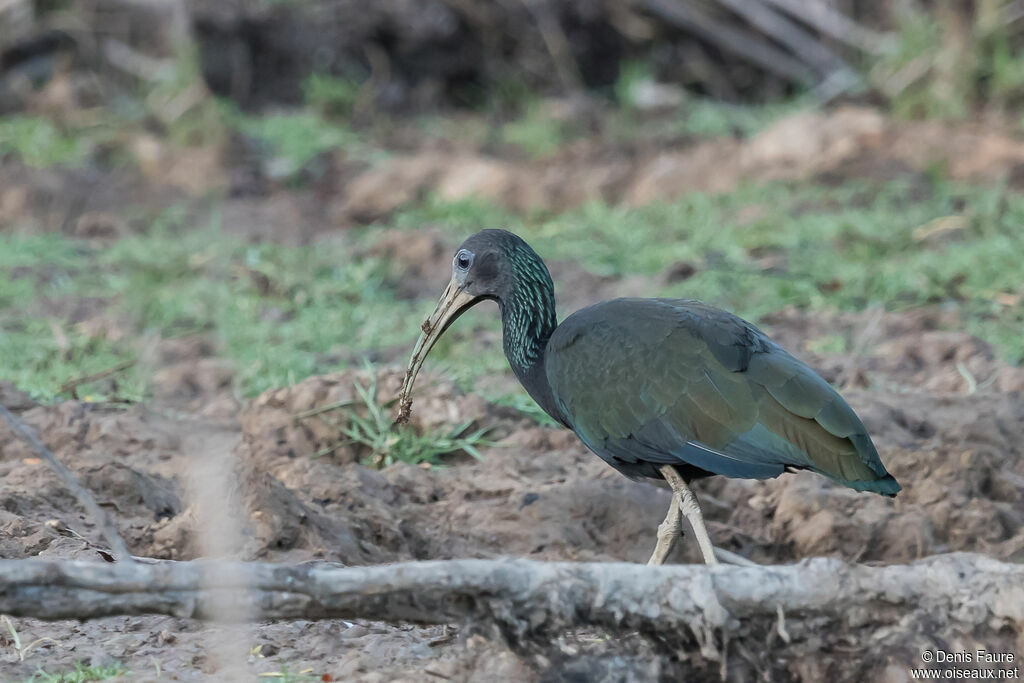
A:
(668, 533)
(687, 503)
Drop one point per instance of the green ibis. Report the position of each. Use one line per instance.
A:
(660, 388)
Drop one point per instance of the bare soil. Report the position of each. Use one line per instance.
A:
(538, 493)
(946, 414)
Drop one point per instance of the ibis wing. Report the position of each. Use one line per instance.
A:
(658, 381)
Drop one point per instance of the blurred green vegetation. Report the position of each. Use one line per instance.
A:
(330, 95)
(295, 137)
(80, 674)
(764, 247)
(38, 142)
(697, 117)
(281, 313)
(284, 313)
(536, 133)
(949, 64)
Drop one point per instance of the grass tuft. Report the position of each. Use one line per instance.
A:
(80, 674)
(388, 446)
(295, 138)
(39, 142)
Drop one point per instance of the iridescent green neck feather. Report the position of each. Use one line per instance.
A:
(527, 310)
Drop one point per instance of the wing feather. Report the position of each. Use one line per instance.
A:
(664, 381)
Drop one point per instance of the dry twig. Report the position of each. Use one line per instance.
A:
(71, 386)
(85, 499)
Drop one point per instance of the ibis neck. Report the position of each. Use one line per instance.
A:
(528, 320)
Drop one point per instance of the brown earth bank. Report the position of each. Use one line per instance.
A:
(848, 142)
(946, 415)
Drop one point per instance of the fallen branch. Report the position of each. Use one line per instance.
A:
(726, 36)
(811, 51)
(838, 26)
(837, 74)
(526, 597)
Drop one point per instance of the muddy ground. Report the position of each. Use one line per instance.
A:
(946, 414)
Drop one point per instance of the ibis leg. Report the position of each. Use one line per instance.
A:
(668, 533)
(689, 507)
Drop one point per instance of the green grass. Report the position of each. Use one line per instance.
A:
(280, 313)
(284, 313)
(764, 247)
(535, 133)
(80, 674)
(951, 64)
(525, 405)
(37, 141)
(697, 117)
(367, 422)
(284, 675)
(704, 118)
(296, 137)
(330, 95)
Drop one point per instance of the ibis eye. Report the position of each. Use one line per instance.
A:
(463, 260)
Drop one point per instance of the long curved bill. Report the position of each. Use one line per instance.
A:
(453, 303)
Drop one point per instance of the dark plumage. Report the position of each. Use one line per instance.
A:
(647, 382)
(650, 383)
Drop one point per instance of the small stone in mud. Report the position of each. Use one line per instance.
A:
(15, 399)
